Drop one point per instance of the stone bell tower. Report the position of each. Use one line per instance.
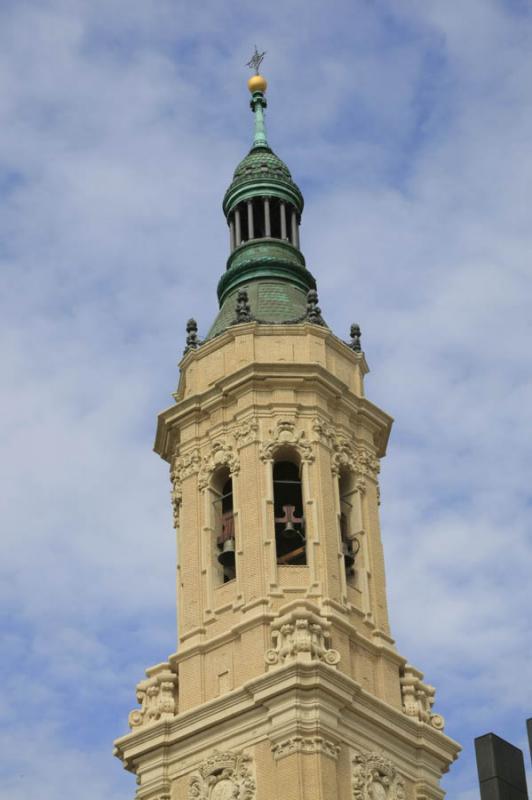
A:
(286, 683)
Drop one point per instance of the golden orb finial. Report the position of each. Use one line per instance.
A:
(257, 83)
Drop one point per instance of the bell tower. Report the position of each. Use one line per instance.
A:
(286, 683)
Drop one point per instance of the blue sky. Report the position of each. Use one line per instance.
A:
(407, 125)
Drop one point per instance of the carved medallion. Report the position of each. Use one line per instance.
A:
(223, 776)
(376, 778)
(301, 635)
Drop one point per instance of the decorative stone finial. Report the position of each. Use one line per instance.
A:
(355, 338)
(243, 310)
(313, 309)
(193, 341)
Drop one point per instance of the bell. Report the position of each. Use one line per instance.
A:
(349, 555)
(289, 530)
(227, 556)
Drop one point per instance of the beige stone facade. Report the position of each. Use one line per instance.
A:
(286, 683)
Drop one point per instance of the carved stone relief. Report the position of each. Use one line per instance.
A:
(301, 635)
(246, 433)
(181, 468)
(305, 744)
(366, 463)
(223, 776)
(345, 454)
(356, 459)
(285, 434)
(157, 696)
(376, 778)
(221, 454)
(418, 698)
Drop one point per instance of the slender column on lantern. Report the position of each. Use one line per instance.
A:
(251, 233)
(283, 220)
(267, 221)
(238, 227)
(295, 235)
(232, 234)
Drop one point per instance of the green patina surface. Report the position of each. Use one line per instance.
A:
(265, 258)
(270, 301)
(272, 271)
(258, 104)
(261, 173)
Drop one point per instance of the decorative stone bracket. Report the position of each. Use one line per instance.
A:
(375, 778)
(301, 636)
(157, 696)
(223, 775)
(418, 698)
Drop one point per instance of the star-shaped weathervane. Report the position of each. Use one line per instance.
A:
(256, 60)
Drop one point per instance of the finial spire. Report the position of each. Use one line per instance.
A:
(257, 85)
(256, 60)
(193, 341)
(355, 338)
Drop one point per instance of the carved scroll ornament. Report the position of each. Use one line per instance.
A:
(157, 696)
(284, 433)
(246, 432)
(345, 454)
(305, 744)
(223, 776)
(301, 635)
(418, 698)
(221, 455)
(375, 778)
(182, 467)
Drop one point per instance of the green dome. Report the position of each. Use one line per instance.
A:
(261, 163)
(272, 302)
(266, 269)
(262, 173)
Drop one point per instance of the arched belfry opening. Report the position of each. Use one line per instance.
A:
(224, 525)
(350, 522)
(290, 539)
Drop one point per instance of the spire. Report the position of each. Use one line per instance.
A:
(263, 207)
(258, 104)
(257, 85)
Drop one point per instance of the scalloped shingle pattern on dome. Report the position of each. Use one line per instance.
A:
(261, 163)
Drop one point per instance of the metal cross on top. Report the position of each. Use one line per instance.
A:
(256, 60)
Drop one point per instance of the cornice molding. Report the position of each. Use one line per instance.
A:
(331, 688)
(260, 375)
